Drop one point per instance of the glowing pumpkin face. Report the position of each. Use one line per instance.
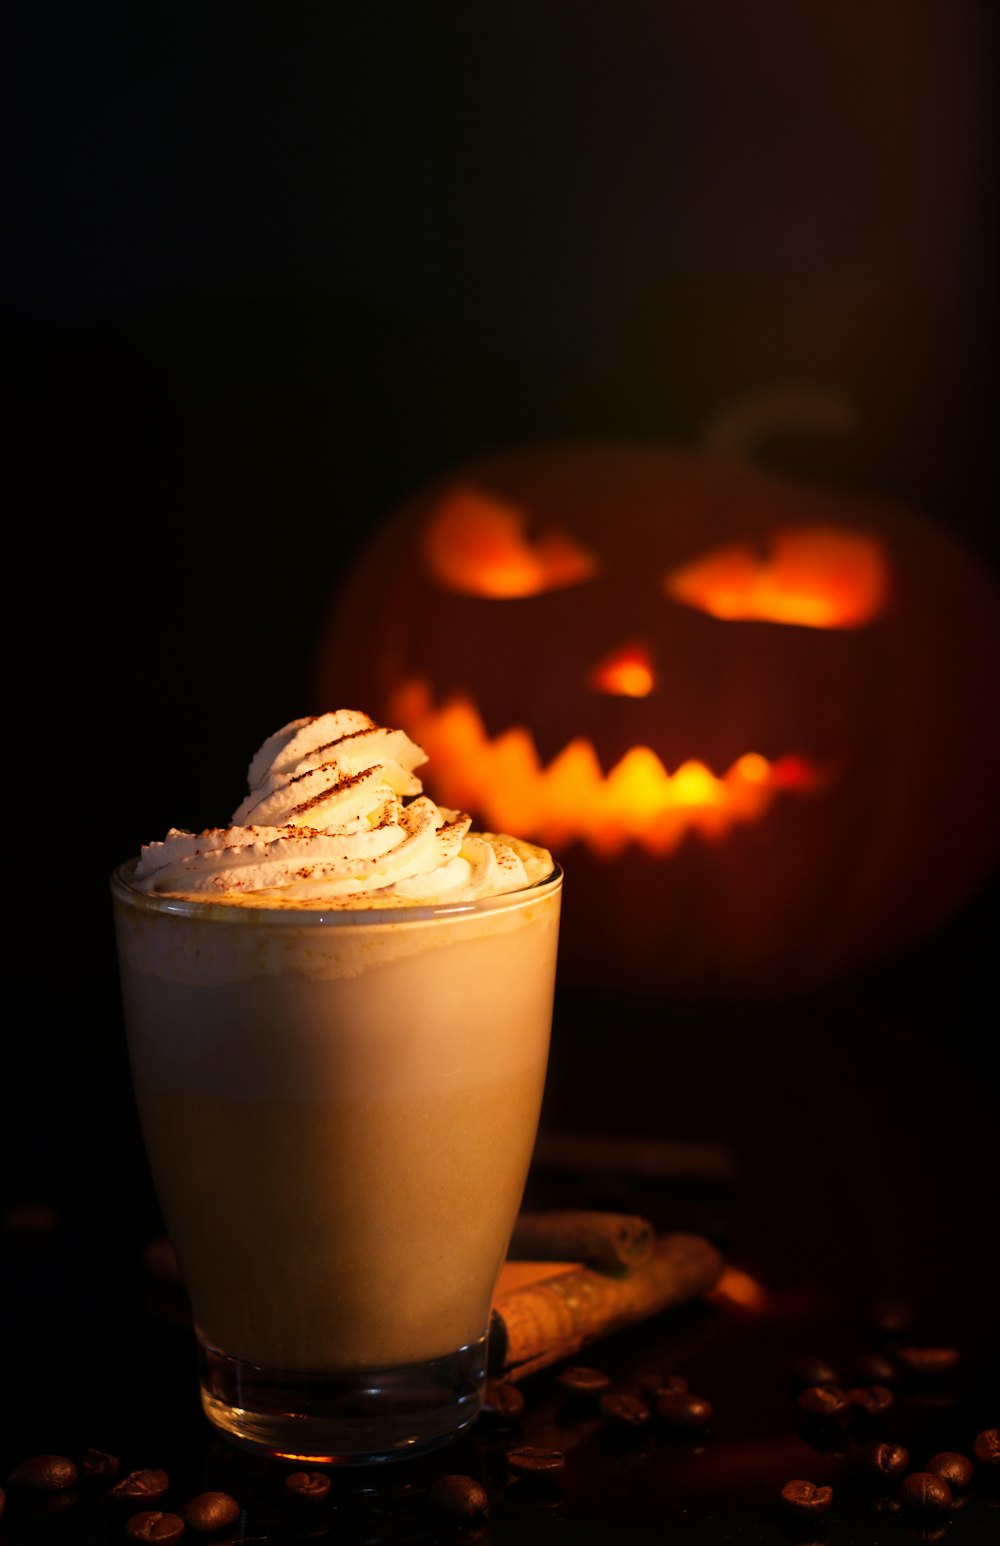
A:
(712, 692)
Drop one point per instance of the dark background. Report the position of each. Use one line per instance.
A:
(267, 271)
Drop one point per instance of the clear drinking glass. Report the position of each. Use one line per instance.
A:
(339, 1108)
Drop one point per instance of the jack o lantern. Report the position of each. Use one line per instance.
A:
(748, 714)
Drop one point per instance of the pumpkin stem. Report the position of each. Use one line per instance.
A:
(738, 432)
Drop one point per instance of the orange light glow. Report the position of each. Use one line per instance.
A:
(627, 673)
(310, 1459)
(738, 1288)
(477, 546)
(503, 782)
(815, 576)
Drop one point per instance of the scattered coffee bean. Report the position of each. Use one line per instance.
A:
(461, 1496)
(531, 1460)
(986, 1448)
(44, 1473)
(580, 1380)
(887, 1459)
(810, 1370)
(891, 1317)
(620, 1410)
(502, 1402)
(806, 1499)
(823, 1400)
(96, 1465)
(956, 1469)
(927, 1360)
(3, 1502)
(144, 1486)
(924, 1491)
(681, 1409)
(873, 1369)
(211, 1511)
(151, 1525)
(653, 1385)
(307, 1486)
(871, 1399)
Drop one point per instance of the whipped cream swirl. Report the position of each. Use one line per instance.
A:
(336, 814)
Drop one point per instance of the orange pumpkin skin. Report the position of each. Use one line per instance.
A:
(892, 712)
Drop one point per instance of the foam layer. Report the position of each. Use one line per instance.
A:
(336, 815)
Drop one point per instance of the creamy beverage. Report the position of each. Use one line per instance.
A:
(338, 1013)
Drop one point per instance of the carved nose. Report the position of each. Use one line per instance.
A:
(626, 673)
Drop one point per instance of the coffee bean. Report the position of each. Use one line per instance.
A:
(307, 1486)
(810, 1370)
(823, 1400)
(96, 1465)
(531, 1460)
(44, 1473)
(461, 1496)
(891, 1317)
(927, 1360)
(887, 1459)
(211, 1511)
(502, 1403)
(653, 1385)
(580, 1380)
(873, 1369)
(151, 1525)
(806, 1499)
(3, 1502)
(681, 1409)
(986, 1448)
(620, 1410)
(956, 1469)
(924, 1491)
(144, 1486)
(871, 1399)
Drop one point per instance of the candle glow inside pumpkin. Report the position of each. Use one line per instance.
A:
(475, 545)
(742, 707)
(504, 781)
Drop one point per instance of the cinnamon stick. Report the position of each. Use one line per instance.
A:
(540, 1323)
(597, 1239)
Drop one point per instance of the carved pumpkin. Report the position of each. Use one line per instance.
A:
(747, 713)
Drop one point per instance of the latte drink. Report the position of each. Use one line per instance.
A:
(338, 1046)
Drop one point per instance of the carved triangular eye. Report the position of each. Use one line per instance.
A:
(813, 576)
(478, 546)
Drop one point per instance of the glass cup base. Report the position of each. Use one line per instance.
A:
(354, 1418)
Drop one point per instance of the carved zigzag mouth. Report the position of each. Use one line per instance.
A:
(501, 781)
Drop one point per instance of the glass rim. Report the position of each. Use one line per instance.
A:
(314, 913)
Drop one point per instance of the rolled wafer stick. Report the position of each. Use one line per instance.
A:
(540, 1323)
(602, 1240)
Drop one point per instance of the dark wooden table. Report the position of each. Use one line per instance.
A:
(840, 1151)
